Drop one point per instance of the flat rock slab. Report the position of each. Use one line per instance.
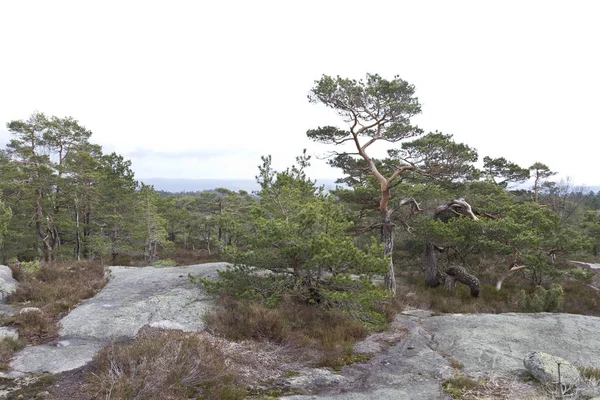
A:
(495, 344)
(486, 345)
(138, 296)
(59, 357)
(134, 297)
(407, 370)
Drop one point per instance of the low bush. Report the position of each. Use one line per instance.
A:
(591, 373)
(458, 385)
(34, 326)
(164, 263)
(580, 298)
(320, 337)
(8, 346)
(321, 322)
(542, 300)
(165, 366)
(55, 288)
(582, 274)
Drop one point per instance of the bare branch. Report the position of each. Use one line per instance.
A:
(410, 200)
(460, 204)
(506, 274)
(366, 229)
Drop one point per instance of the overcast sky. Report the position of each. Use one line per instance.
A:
(201, 89)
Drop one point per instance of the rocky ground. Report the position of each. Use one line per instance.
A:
(412, 361)
(489, 348)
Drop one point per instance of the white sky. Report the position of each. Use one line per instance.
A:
(201, 89)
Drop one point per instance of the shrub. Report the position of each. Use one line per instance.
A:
(162, 366)
(582, 274)
(460, 384)
(164, 263)
(35, 326)
(319, 336)
(592, 373)
(580, 298)
(542, 300)
(55, 288)
(30, 267)
(8, 346)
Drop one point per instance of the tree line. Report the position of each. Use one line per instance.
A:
(63, 198)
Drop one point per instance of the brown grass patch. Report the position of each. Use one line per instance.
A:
(35, 326)
(317, 336)
(55, 288)
(163, 366)
(8, 347)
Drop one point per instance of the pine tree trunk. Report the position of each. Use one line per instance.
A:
(78, 235)
(387, 238)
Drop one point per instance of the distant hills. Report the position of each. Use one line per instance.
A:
(198, 185)
(249, 185)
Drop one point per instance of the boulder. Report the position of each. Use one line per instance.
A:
(7, 332)
(7, 283)
(544, 368)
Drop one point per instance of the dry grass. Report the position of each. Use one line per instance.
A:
(55, 288)
(468, 388)
(8, 347)
(35, 327)
(590, 373)
(317, 336)
(175, 365)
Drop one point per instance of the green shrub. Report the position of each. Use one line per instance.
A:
(582, 274)
(30, 267)
(542, 300)
(164, 263)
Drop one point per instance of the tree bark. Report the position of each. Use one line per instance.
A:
(434, 277)
(430, 267)
(387, 237)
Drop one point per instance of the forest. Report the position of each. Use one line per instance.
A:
(427, 208)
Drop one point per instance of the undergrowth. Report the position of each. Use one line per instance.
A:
(322, 323)
(564, 294)
(55, 288)
(165, 366)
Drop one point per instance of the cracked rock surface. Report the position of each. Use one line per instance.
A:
(134, 297)
(490, 346)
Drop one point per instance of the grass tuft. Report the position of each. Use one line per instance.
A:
(165, 365)
(55, 288)
(592, 373)
(8, 347)
(322, 337)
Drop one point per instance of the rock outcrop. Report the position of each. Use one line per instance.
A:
(545, 368)
(483, 346)
(411, 362)
(134, 297)
(7, 283)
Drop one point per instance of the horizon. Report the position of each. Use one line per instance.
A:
(245, 183)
